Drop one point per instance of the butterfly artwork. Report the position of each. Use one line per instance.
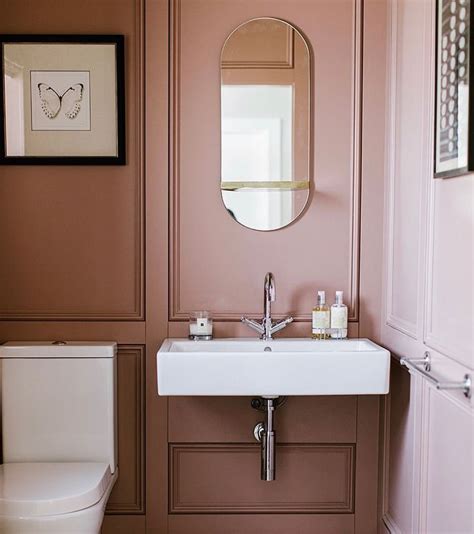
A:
(68, 102)
(60, 100)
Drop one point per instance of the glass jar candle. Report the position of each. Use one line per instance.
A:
(200, 326)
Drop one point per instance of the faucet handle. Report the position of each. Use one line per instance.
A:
(281, 324)
(253, 324)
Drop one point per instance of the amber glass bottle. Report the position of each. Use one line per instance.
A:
(321, 318)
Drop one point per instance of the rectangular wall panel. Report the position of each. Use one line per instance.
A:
(128, 494)
(311, 478)
(448, 491)
(400, 455)
(214, 264)
(406, 140)
(450, 309)
(261, 524)
(71, 237)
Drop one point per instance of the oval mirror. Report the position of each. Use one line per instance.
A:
(265, 123)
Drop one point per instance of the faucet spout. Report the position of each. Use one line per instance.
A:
(269, 287)
(266, 327)
(269, 296)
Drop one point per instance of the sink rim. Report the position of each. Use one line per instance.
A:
(331, 345)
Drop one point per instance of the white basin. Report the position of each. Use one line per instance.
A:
(292, 367)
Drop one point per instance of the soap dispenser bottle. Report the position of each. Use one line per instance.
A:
(339, 317)
(321, 319)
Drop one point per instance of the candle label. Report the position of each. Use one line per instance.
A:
(202, 327)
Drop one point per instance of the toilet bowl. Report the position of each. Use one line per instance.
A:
(59, 436)
(67, 498)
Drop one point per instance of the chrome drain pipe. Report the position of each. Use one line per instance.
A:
(265, 434)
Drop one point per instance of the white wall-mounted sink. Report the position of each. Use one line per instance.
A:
(292, 367)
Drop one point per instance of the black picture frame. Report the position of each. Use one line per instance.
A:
(447, 14)
(119, 158)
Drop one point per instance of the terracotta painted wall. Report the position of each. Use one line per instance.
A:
(427, 305)
(85, 256)
(69, 256)
(211, 438)
(71, 241)
(301, 255)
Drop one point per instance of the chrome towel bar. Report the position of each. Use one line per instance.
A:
(414, 365)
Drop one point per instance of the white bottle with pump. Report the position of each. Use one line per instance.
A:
(339, 317)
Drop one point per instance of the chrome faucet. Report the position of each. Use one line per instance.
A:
(266, 328)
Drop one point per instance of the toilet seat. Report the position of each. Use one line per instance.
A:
(48, 489)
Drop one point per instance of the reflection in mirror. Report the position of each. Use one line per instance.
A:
(265, 124)
(14, 111)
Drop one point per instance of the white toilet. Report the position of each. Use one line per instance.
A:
(59, 436)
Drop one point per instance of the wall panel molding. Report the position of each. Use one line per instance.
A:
(157, 206)
(445, 342)
(128, 495)
(256, 523)
(441, 273)
(335, 464)
(384, 465)
(444, 415)
(174, 163)
(451, 346)
(121, 332)
(356, 164)
(139, 136)
(176, 311)
(391, 319)
(135, 145)
(410, 328)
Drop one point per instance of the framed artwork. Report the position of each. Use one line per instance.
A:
(454, 134)
(62, 100)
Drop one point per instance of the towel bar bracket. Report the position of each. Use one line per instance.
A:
(423, 367)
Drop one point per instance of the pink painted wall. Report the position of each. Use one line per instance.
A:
(428, 297)
(217, 264)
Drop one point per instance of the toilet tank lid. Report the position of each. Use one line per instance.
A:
(58, 349)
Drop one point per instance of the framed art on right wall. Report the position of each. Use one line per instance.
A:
(454, 134)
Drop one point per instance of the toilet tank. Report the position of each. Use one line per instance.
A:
(59, 402)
